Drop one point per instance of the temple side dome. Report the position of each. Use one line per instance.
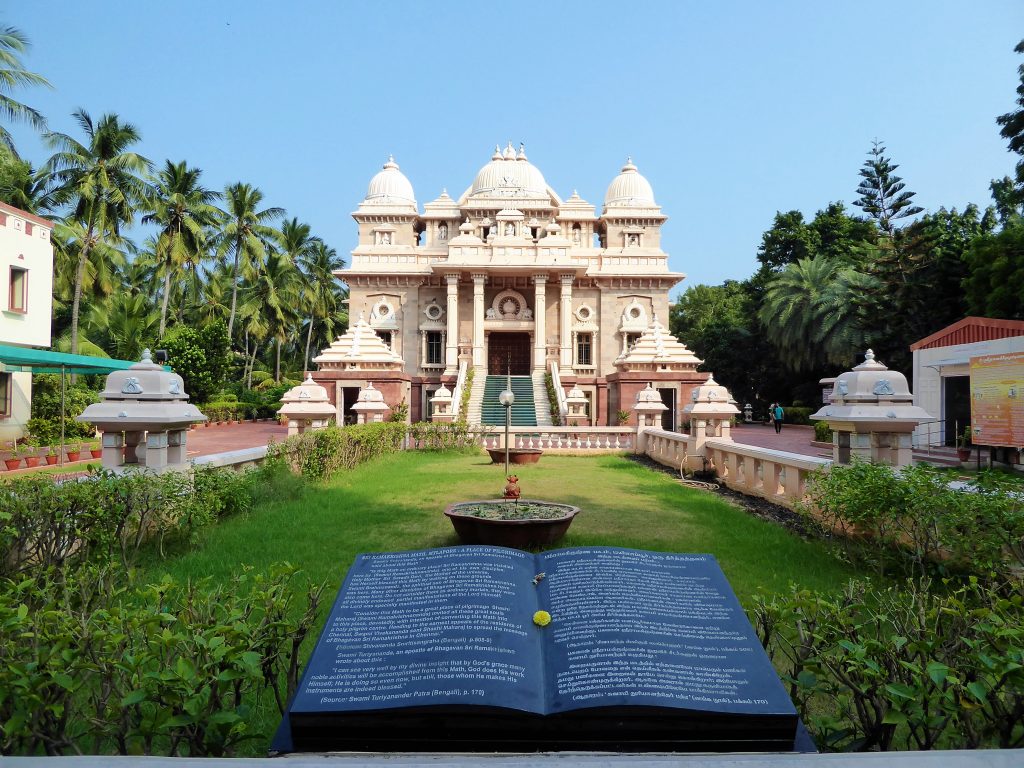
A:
(390, 187)
(629, 190)
(509, 174)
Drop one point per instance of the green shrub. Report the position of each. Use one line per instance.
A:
(320, 453)
(108, 517)
(438, 436)
(556, 415)
(914, 515)
(822, 432)
(94, 664)
(902, 668)
(797, 414)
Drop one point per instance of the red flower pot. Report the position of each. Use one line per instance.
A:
(74, 455)
(31, 461)
(97, 453)
(51, 459)
(12, 463)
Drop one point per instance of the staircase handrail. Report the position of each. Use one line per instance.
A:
(460, 385)
(556, 382)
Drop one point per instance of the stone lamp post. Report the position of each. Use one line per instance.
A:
(872, 414)
(306, 406)
(144, 415)
(507, 397)
(441, 405)
(648, 406)
(370, 407)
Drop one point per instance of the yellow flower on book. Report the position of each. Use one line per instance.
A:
(542, 618)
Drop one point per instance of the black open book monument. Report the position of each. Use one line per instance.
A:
(438, 650)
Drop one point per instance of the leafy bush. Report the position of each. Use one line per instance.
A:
(320, 453)
(200, 357)
(822, 432)
(902, 668)
(108, 517)
(797, 414)
(914, 515)
(556, 415)
(438, 436)
(46, 410)
(95, 664)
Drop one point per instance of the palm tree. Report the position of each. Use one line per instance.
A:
(183, 210)
(276, 292)
(100, 275)
(245, 234)
(101, 179)
(323, 293)
(815, 311)
(23, 187)
(13, 75)
(126, 324)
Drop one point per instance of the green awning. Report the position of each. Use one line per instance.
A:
(20, 359)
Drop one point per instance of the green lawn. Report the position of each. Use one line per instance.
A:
(396, 503)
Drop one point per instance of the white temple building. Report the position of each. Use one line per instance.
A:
(509, 278)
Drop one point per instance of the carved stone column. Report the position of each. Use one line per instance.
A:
(565, 332)
(540, 351)
(451, 352)
(478, 319)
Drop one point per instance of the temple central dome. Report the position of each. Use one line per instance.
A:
(509, 174)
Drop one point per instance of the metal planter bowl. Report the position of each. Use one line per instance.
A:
(519, 534)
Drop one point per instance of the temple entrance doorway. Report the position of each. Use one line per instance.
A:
(508, 351)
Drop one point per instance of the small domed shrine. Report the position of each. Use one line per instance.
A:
(144, 415)
(306, 406)
(510, 279)
(872, 414)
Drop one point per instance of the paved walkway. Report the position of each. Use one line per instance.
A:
(218, 438)
(793, 438)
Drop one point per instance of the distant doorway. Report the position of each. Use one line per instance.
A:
(668, 416)
(508, 351)
(349, 397)
(956, 396)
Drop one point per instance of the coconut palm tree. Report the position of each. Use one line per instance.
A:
(184, 210)
(101, 180)
(322, 291)
(815, 310)
(24, 187)
(13, 75)
(124, 324)
(245, 234)
(276, 290)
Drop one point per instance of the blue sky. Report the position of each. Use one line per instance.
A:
(732, 110)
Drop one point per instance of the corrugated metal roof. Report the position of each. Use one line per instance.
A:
(971, 330)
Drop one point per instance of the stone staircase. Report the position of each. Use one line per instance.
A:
(476, 397)
(541, 400)
(524, 412)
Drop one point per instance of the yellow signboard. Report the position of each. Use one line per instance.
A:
(997, 400)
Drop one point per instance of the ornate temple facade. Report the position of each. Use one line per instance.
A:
(509, 278)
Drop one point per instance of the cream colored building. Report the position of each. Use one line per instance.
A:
(26, 295)
(509, 277)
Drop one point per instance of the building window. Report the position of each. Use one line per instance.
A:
(435, 349)
(28, 227)
(6, 384)
(385, 336)
(584, 342)
(17, 299)
(632, 339)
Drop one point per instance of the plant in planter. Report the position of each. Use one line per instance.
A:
(623, 418)
(95, 450)
(74, 451)
(964, 445)
(14, 460)
(28, 451)
(51, 455)
(511, 521)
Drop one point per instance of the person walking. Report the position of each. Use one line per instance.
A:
(771, 413)
(778, 415)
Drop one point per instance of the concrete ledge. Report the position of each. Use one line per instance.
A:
(990, 758)
(241, 457)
